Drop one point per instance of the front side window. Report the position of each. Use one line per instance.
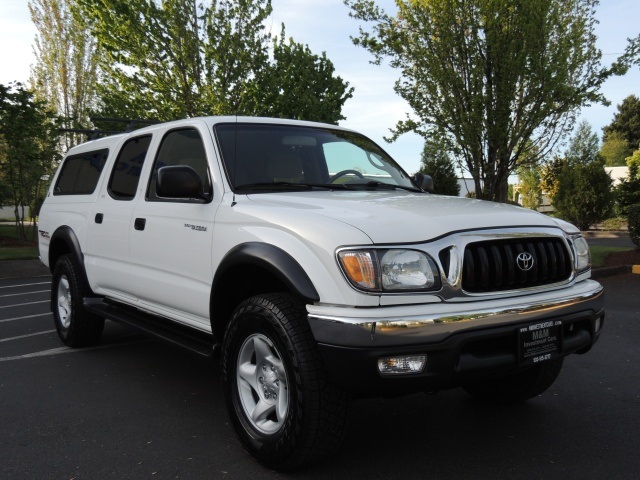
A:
(80, 173)
(271, 157)
(126, 171)
(181, 147)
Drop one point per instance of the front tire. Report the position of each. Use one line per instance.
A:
(284, 410)
(76, 327)
(519, 387)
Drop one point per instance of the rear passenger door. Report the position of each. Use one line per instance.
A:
(171, 239)
(108, 257)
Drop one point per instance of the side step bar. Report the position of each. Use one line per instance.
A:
(200, 343)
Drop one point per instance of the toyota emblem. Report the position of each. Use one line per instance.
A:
(524, 261)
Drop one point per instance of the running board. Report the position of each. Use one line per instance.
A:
(200, 343)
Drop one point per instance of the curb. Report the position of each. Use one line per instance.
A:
(603, 272)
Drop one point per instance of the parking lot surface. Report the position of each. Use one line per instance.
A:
(135, 408)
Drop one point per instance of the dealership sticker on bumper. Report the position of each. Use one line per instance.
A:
(540, 342)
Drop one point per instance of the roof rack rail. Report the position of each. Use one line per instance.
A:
(92, 134)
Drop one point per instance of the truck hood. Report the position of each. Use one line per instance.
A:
(405, 217)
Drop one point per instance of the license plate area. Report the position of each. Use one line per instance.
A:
(540, 342)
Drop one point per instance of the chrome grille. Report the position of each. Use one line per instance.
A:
(512, 264)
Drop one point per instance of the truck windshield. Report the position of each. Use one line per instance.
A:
(263, 157)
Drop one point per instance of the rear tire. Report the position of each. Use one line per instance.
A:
(285, 411)
(75, 325)
(518, 387)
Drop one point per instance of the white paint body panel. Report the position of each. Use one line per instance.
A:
(168, 268)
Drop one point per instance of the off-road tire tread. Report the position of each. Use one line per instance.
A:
(86, 328)
(321, 405)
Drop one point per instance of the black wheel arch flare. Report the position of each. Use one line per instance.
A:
(270, 258)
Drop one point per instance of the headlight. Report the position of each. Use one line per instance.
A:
(393, 270)
(583, 255)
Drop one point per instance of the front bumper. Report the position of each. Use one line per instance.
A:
(463, 341)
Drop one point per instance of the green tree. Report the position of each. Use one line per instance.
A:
(28, 148)
(627, 192)
(615, 149)
(66, 68)
(502, 79)
(584, 195)
(584, 146)
(530, 189)
(626, 122)
(437, 162)
(158, 62)
(549, 173)
(299, 84)
(171, 59)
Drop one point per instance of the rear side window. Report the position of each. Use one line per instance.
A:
(126, 171)
(80, 173)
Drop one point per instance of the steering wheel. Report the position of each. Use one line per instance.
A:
(343, 173)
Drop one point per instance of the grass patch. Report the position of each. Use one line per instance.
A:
(10, 232)
(18, 253)
(600, 252)
(13, 248)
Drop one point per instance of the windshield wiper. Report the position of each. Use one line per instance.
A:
(288, 185)
(375, 185)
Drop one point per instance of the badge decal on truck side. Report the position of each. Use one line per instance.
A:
(198, 228)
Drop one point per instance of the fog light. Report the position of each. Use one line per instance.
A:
(598, 324)
(402, 365)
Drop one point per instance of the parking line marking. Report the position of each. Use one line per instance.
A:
(52, 351)
(26, 336)
(25, 293)
(25, 285)
(59, 350)
(25, 317)
(23, 304)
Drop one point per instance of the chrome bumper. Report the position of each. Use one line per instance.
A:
(434, 322)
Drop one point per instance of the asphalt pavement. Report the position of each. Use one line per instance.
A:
(132, 408)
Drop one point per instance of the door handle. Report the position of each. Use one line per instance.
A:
(99, 217)
(140, 223)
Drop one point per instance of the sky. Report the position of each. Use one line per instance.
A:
(325, 25)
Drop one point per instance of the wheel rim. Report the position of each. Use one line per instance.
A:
(64, 301)
(262, 384)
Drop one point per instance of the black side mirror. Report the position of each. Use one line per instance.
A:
(179, 181)
(425, 182)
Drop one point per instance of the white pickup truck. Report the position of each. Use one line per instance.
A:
(316, 267)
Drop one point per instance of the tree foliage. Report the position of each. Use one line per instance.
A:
(529, 187)
(503, 80)
(178, 58)
(437, 162)
(634, 224)
(615, 149)
(549, 173)
(627, 192)
(28, 147)
(66, 71)
(299, 84)
(583, 195)
(626, 122)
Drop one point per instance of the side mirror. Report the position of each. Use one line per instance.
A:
(425, 182)
(179, 181)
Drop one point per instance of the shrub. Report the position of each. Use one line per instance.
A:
(615, 223)
(634, 224)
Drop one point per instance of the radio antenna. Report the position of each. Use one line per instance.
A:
(235, 161)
